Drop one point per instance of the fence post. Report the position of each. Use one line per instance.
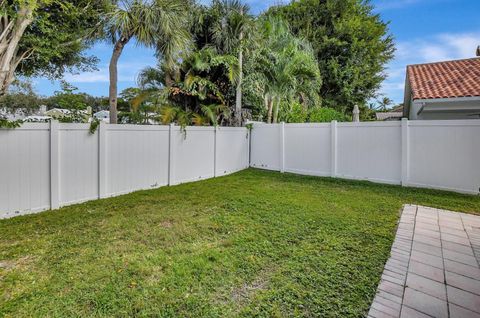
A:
(405, 150)
(333, 149)
(102, 160)
(171, 155)
(54, 165)
(282, 147)
(215, 131)
(249, 147)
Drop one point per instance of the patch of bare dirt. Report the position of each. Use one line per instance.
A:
(166, 224)
(241, 294)
(7, 264)
(10, 264)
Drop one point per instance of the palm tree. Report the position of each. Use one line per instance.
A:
(229, 33)
(384, 103)
(286, 65)
(155, 23)
(198, 90)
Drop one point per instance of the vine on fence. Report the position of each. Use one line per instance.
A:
(93, 126)
(9, 124)
(249, 128)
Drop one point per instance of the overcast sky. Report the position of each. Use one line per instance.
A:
(424, 31)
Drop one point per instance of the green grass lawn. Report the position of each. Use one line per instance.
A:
(255, 243)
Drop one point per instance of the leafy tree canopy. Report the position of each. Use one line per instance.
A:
(59, 32)
(21, 97)
(351, 43)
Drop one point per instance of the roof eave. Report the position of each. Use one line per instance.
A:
(447, 99)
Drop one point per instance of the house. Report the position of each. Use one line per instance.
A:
(59, 113)
(388, 116)
(443, 90)
(103, 115)
(21, 113)
(37, 119)
(396, 113)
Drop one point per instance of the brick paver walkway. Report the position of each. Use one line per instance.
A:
(433, 270)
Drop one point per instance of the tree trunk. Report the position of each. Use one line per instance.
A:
(277, 108)
(265, 101)
(10, 39)
(238, 93)
(270, 109)
(168, 79)
(117, 51)
(238, 97)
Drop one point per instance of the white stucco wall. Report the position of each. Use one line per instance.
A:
(445, 109)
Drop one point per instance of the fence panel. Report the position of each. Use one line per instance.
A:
(136, 157)
(193, 154)
(307, 149)
(231, 148)
(50, 165)
(78, 164)
(25, 169)
(369, 151)
(433, 154)
(265, 146)
(445, 154)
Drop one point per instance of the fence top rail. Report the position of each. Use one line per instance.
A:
(194, 128)
(370, 124)
(73, 126)
(29, 126)
(397, 123)
(265, 125)
(136, 127)
(309, 125)
(223, 128)
(456, 122)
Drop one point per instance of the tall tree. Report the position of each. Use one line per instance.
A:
(155, 23)
(197, 93)
(226, 25)
(351, 43)
(229, 34)
(283, 65)
(45, 37)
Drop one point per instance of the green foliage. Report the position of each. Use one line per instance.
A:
(68, 99)
(21, 97)
(281, 68)
(325, 115)
(197, 93)
(207, 73)
(73, 102)
(8, 124)
(203, 74)
(296, 114)
(158, 24)
(252, 244)
(220, 24)
(59, 34)
(351, 43)
(94, 124)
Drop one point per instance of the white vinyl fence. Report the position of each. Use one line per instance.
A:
(440, 154)
(45, 166)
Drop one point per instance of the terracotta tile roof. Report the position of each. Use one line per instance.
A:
(459, 78)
